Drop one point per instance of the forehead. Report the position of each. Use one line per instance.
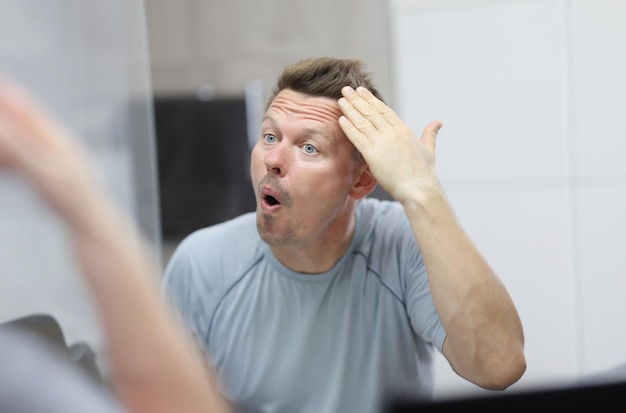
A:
(289, 103)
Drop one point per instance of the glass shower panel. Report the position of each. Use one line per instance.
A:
(88, 62)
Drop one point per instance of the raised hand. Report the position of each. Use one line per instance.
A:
(35, 146)
(402, 164)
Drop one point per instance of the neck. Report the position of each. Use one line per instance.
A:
(320, 254)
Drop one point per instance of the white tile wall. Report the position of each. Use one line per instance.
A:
(493, 81)
(598, 147)
(601, 274)
(533, 96)
(598, 87)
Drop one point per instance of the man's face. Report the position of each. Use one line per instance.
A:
(302, 170)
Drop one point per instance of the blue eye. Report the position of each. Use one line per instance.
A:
(308, 148)
(270, 138)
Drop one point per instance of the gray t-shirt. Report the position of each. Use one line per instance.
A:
(342, 341)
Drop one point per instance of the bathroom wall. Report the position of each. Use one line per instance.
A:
(532, 95)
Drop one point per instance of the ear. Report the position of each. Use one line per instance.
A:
(364, 182)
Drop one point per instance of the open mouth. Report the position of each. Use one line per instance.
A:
(271, 201)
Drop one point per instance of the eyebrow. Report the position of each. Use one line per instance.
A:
(308, 130)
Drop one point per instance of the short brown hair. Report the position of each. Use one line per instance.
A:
(324, 76)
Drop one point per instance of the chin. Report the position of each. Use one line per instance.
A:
(274, 239)
(271, 235)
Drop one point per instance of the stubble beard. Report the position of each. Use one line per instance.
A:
(269, 235)
(266, 223)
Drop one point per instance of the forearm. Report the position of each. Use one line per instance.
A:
(484, 333)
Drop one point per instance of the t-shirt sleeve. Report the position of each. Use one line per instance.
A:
(420, 306)
(186, 287)
(419, 303)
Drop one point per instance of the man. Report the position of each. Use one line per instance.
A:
(153, 369)
(325, 300)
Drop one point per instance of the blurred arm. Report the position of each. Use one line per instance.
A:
(155, 367)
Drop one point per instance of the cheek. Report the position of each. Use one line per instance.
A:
(323, 187)
(257, 166)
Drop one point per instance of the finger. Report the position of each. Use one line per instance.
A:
(360, 141)
(429, 136)
(355, 117)
(385, 112)
(359, 102)
(382, 116)
(369, 111)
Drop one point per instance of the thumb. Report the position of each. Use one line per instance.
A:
(429, 136)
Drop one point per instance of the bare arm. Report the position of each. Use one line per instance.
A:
(485, 340)
(154, 363)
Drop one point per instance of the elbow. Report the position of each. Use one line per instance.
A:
(493, 364)
(504, 371)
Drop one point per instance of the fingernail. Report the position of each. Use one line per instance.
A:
(347, 90)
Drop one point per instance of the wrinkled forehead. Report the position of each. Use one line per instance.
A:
(311, 114)
(305, 107)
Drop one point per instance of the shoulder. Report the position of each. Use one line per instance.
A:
(387, 242)
(213, 254)
(383, 221)
(227, 237)
(374, 208)
(206, 264)
(241, 229)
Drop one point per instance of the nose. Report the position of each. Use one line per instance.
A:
(276, 159)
